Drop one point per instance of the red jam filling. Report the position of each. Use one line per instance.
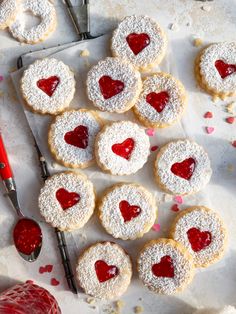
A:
(128, 211)
(110, 87)
(158, 100)
(104, 271)
(184, 169)
(67, 199)
(49, 85)
(27, 236)
(165, 268)
(199, 240)
(137, 42)
(225, 69)
(124, 149)
(78, 137)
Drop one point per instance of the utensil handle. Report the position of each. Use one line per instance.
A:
(5, 168)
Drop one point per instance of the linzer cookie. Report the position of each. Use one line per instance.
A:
(127, 211)
(215, 69)
(122, 148)
(48, 86)
(43, 9)
(67, 200)
(202, 232)
(8, 11)
(104, 270)
(182, 167)
(113, 85)
(165, 266)
(162, 101)
(140, 40)
(71, 137)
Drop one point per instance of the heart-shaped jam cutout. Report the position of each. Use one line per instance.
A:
(128, 211)
(49, 85)
(104, 271)
(67, 199)
(124, 149)
(184, 169)
(78, 137)
(158, 100)
(110, 87)
(199, 240)
(165, 268)
(225, 69)
(137, 42)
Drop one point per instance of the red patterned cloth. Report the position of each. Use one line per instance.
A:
(28, 298)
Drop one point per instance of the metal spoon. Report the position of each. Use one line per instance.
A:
(27, 233)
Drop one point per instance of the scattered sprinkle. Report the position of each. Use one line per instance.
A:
(154, 148)
(150, 132)
(1, 78)
(234, 144)
(156, 227)
(209, 129)
(230, 120)
(208, 115)
(197, 42)
(138, 309)
(48, 268)
(174, 26)
(206, 8)
(41, 270)
(178, 199)
(175, 208)
(84, 53)
(230, 168)
(230, 107)
(54, 282)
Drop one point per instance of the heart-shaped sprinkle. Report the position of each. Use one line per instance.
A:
(42, 270)
(165, 268)
(78, 137)
(175, 208)
(110, 87)
(209, 129)
(178, 199)
(199, 240)
(128, 211)
(234, 144)
(49, 85)
(54, 282)
(208, 115)
(156, 227)
(225, 69)
(158, 101)
(137, 42)
(67, 199)
(49, 268)
(230, 120)
(154, 148)
(184, 169)
(150, 132)
(104, 271)
(124, 149)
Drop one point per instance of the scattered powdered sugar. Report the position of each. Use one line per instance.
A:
(221, 51)
(113, 255)
(120, 70)
(151, 255)
(153, 53)
(75, 216)
(112, 218)
(67, 122)
(174, 108)
(204, 220)
(117, 133)
(38, 99)
(45, 10)
(176, 152)
(8, 9)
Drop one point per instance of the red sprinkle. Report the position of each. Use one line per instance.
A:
(234, 143)
(175, 208)
(49, 268)
(54, 282)
(42, 270)
(208, 115)
(154, 148)
(230, 120)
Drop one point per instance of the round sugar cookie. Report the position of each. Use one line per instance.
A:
(140, 40)
(48, 86)
(104, 270)
(67, 200)
(8, 12)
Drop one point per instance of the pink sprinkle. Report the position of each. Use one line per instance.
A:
(230, 120)
(42, 270)
(150, 132)
(54, 282)
(175, 208)
(209, 129)
(234, 143)
(1, 78)
(208, 115)
(49, 268)
(154, 148)
(156, 227)
(178, 199)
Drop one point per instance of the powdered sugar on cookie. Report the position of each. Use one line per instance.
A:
(8, 11)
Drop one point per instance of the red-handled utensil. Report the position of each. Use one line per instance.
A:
(27, 233)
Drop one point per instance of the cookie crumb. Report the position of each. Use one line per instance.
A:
(1, 93)
(197, 42)
(167, 198)
(230, 107)
(230, 168)
(85, 53)
(174, 27)
(90, 300)
(206, 8)
(138, 309)
(119, 304)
